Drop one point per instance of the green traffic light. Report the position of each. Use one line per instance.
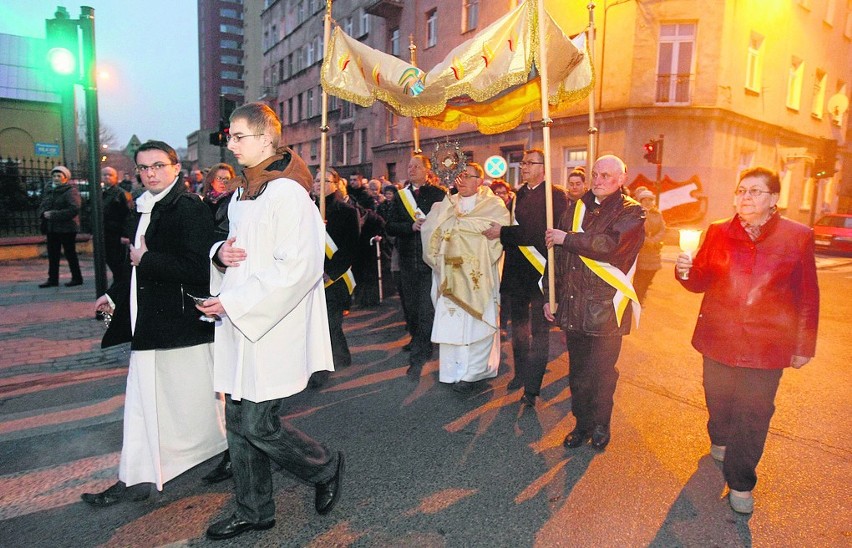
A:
(62, 61)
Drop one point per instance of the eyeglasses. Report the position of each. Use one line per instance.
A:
(238, 138)
(464, 175)
(222, 179)
(525, 163)
(754, 192)
(159, 166)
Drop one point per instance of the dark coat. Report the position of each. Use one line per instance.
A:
(177, 263)
(64, 203)
(613, 232)
(761, 299)
(399, 224)
(519, 276)
(116, 208)
(342, 226)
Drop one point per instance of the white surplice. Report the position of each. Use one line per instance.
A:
(173, 420)
(274, 333)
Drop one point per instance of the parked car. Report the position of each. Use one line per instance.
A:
(834, 233)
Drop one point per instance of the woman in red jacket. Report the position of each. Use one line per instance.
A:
(759, 316)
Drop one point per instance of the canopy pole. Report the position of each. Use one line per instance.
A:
(415, 127)
(324, 123)
(593, 130)
(546, 122)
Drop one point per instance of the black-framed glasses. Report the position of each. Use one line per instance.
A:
(222, 179)
(754, 192)
(238, 138)
(159, 166)
(526, 163)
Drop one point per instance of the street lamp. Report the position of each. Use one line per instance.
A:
(71, 56)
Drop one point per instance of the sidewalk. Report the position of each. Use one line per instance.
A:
(40, 328)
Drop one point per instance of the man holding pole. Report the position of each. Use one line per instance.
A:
(523, 269)
(599, 238)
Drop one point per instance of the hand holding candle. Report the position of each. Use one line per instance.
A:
(689, 240)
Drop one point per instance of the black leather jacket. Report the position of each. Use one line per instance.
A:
(613, 232)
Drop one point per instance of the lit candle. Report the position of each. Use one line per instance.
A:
(688, 244)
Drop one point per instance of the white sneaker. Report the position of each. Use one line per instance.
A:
(742, 502)
(717, 452)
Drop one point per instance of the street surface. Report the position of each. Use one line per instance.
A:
(426, 466)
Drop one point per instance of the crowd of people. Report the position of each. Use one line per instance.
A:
(253, 257)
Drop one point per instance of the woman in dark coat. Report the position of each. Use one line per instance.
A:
(216, 192)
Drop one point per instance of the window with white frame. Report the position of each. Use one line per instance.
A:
(571, 158)
(347, 26)
(830, 8)
(229, 13)
(365, 22)
(795, 76)
(675, 60)
(309, 54)
(231, 29)
(820, 83)
(230, 75)
(314, 149)
(346, 110)
(754, 64)
(432, 28)
(348, 147)
(470, 14)
(229, 44)
(362, 146)
(392, 129)
(320, 50)
(394, 42)
(301, 14)
(310, 105)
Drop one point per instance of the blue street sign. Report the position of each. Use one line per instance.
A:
(495, 166)
(46, 149)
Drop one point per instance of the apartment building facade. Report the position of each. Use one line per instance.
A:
(728, 85)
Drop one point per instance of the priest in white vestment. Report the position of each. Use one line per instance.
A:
(173, 420)
(466, 282)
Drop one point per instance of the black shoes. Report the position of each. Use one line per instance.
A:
(407, 346)
(528, 400)
(222, 471)
(600, 437)
(577, 437)
(328, 493)
(72, 283)
(118, 492)
(234, 526)
(49, 283)
(413, 372)
(467, 387)
(515, 383)
(318, 379)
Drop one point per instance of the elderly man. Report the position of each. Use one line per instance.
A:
(523, 269)
(60, 221)
(117, 205)
(598, 240)
(273, 331)
(173, 419)
(466, 282)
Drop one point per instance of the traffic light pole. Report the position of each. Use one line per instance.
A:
(90, 85)
(659, 181)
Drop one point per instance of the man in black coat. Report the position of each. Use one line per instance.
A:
(173, 420)
(523, 269)
(406, 217)
(117, 204)
(341, 227)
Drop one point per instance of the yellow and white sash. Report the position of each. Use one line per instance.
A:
(348, 277)
(410, 204)
(536, 259)
(623, 283)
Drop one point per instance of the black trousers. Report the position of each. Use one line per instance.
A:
(593, 377)
(67, 242)
(116, 256)
(642, 281)
(741, 402)
(416, 295)
(337, 300)
(530, 338)
(257, 437)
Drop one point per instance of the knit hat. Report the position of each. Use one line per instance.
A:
(63, 170)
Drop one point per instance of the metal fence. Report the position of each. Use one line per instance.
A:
(22, 182)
